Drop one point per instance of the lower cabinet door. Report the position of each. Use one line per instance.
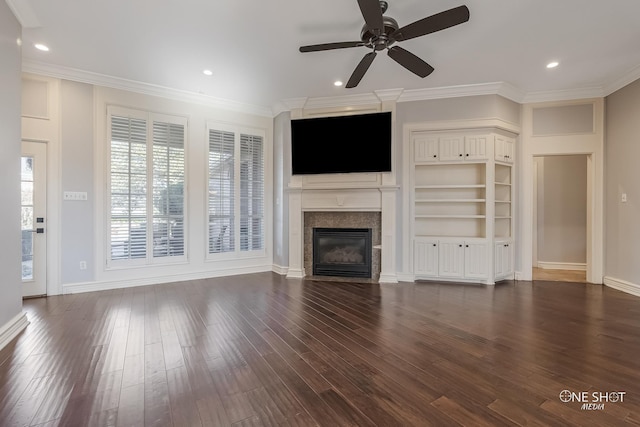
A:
(426, 258)
(503, 259)
(475, 260)
(451, 259)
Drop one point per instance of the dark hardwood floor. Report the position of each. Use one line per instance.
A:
(262, 350)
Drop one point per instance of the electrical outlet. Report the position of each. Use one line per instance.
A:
(83, 265)
(623, 199)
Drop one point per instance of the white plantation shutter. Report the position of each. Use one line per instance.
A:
(236, 191)
(168, 189)
(251, 193)
(146, 187)
(128, 188)
(221, 191)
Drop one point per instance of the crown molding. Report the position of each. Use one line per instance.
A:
(73, 74)
(385, 95)
(621, 82)
(342, 101)
(456, 91)
(288, 104)
(503, 89)
(24, 13)
(563, 95)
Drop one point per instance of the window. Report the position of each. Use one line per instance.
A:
(235, 191)
(146, 186)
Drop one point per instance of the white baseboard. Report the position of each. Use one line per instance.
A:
(295, 273)
(405, 277)
(577, 266)
(388, 278)
(75, 288)
(623, 285)
(12, 328)
(279, 269)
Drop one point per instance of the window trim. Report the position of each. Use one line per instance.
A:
(237, 130)
(149, 260)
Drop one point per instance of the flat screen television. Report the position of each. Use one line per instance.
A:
(342, 144)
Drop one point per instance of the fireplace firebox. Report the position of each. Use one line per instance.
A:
(344, 252)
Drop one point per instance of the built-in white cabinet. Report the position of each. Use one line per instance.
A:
(454, 148)
(451, 148)
(462, 193)
(451, 258)
(475, 260)
(426, 256)
(425, 149)
(475, 147)
(503, 259)
(504, 149)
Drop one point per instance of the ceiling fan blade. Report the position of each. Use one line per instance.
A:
(372, 14)
(330, 46)
(433, 23)
(409, 61)
(360, 70)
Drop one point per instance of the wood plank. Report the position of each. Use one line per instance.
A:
(260, 349)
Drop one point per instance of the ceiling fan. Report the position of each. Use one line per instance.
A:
(381, 32)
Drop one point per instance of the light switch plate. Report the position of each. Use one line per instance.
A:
(623, 199)
(75, 195)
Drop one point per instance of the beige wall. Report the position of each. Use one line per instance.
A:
(10, 151)
(622, 232)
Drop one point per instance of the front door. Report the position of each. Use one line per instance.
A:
(34, 204)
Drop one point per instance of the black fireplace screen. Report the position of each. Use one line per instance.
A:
(342, 252)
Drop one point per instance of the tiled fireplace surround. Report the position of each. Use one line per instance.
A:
(358, 201)
(342, 220)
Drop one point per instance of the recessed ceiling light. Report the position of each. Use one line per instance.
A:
(41, 47)
(337, 83)
(553, 64)
(207, 72)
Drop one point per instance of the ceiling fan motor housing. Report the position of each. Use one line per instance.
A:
(379, 41)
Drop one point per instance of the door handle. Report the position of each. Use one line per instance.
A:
(37, 230)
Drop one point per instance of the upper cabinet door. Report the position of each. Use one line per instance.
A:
(504, 149)
(475, 148)
(425, 149)
(452, 149)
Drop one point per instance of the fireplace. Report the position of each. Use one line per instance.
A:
(344, 252)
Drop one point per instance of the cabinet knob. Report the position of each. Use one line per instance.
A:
(459, 246)
(467, 154)
(434, 245)
(467, 246)
(434, 156)
(460, 155)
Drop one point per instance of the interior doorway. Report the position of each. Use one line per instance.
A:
(33, 201)
(560, 217)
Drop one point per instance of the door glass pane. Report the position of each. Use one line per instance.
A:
(27, 217)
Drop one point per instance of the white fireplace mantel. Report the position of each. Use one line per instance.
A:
(336, 193)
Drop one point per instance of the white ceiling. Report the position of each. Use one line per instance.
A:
(252, 46)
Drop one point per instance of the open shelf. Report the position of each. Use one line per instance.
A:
(450, 200)
(449, 186)
(448, 226)
(451, 216)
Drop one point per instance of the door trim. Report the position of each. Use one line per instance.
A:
(47, 130)
(591, 144)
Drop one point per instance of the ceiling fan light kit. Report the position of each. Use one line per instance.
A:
(381, 32)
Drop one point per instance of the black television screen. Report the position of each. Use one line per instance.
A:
(343, 144)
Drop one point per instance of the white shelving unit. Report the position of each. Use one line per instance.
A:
(462, 206)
